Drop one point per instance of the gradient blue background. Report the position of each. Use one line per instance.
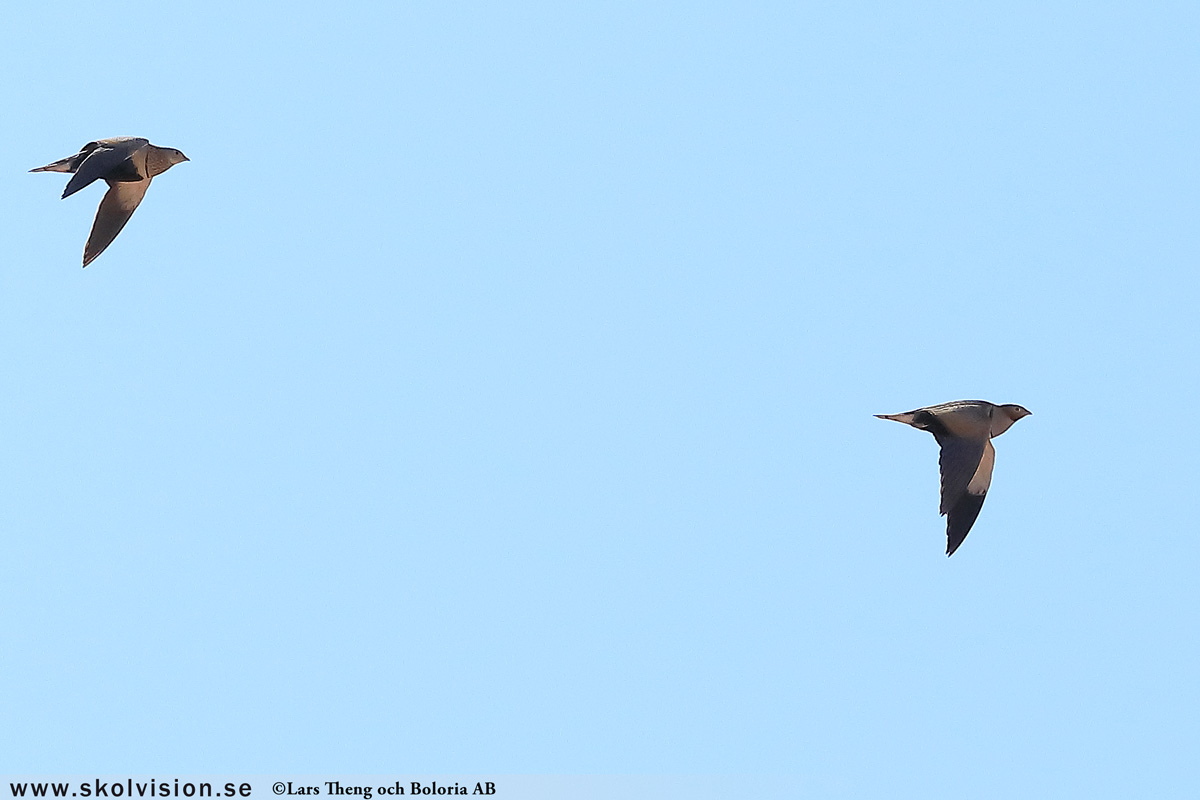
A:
(492, 392)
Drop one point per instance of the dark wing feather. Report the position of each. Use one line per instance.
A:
(959, 459)
(99, 164)
(961, 518)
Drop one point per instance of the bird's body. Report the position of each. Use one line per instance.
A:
(964, 429)
(127, 164)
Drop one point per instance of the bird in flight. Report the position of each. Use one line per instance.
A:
(964, 429)
(127, 164)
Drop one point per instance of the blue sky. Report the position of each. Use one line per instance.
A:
(492, 392)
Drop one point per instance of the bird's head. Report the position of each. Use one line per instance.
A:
(1014, 411)
(161, 159)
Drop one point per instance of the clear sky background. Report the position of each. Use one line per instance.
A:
(492, 392)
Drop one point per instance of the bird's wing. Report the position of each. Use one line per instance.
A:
(103, 162)
(965, 510)
(959, 461)
(115, 210)
(982, 479)
(960, 519)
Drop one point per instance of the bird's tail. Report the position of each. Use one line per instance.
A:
(62, 165)
(906, 418)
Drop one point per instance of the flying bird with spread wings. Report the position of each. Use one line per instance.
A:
(964, 429)
(127, 164)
